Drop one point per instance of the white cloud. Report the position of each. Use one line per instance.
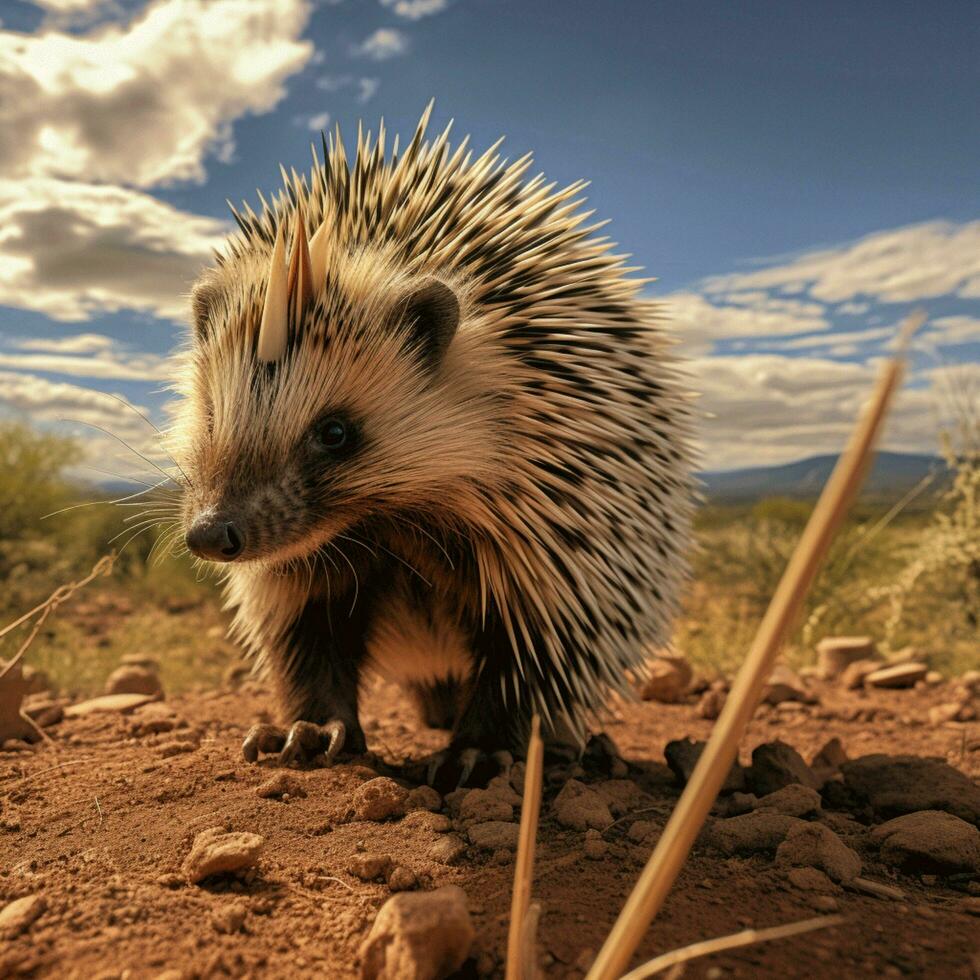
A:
(319, 121)
(118, 366)
(766, 409)
(947, 331)
(416, 9)
(79, 343)
(367, 89)
(697, 322)
(852, 338)
(69, 249)
(898, 266)
(144, 102)
(384, 43)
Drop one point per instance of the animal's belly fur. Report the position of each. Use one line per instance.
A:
(418, 647)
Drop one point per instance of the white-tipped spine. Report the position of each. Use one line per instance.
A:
(273, 330)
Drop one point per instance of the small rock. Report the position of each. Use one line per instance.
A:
(401, 879)
(369, 866)
(436, 823)
(934, 677)
(122, 703)
(682, 756)
(229, 918)
(494, 835)
(942, 713)
(423, 798)
(378, 799)
(823, 903)
(751, 833)
(419, 936)
(134, 680)
(280, 785)
(827, 762)
(665, 679)
(735, 804)
(217, 851)
(45, 712)
(594, 847)
(793, 800)
(810, 880)
(643, 832)
(501, 788)
(815, 846)
(580, 807)
(621, 795)
(897, 675)
(775, 765)
(899, 784)
(929, 842)
(447, 850)
(971, 681)
(481, 806)
(784, 685)
(836, 653)
(711, 703)
(854, 674)
(19, 915)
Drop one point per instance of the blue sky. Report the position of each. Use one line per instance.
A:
(797, 175)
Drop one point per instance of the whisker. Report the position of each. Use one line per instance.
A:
(92, 503)
(121, 441)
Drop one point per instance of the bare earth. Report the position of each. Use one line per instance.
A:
(99, 821)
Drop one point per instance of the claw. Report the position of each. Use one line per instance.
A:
(262, 738)
(468, 760)
(302, 743)
(458, 766)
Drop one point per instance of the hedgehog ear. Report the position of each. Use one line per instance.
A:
(430, 311)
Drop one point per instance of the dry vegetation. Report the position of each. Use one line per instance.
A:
(909, 575)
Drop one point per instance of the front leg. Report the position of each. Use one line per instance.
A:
(317, 667)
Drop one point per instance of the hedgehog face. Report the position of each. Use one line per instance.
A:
(368, 413)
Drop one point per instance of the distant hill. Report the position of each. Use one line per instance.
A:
(892, 475)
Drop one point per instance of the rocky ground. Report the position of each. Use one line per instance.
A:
(136, 842)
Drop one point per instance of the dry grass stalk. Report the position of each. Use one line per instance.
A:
(523, 919)
(747, 937)
(102, 567)
(706, 781)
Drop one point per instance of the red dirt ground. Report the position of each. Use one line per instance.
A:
(99, 820)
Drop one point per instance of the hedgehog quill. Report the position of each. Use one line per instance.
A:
(431, 430)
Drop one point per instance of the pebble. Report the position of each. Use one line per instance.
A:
(419, 936)
(501, 788)
(402, 879)
(369, 866)
(595, 847)
(45, 711)
(282, 785)
(579, 806)
(217, 851)
(823, 903)
(378, 799)
(929, 842)
(665, 679)
(836, 653)
(122, 703)
(621, 795)
(448, 849)
(131, 679)
(784, 684)
(810, 880)
(228, 918)
(682, 756)
(711, 703)
(775, 765)
(751, 833)
(643, 831)
(793, 800)
(423, 798)
(815, 846)
(19, 915)
(940, 714)
(494, 835)
(897, 675)
(897, 784)
(854, 674)
(436, 823)
(482, 806)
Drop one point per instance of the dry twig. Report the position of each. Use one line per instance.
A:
(688, 817)
(524, 917)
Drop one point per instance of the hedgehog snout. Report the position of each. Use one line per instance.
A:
(214, 536)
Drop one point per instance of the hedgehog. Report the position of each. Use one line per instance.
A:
(432, 431)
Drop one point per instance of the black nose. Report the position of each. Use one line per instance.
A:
(215, 538)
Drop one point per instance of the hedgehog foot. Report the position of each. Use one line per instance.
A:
(303, 742)
(458, 766)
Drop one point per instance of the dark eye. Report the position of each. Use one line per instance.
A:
(331, 434)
